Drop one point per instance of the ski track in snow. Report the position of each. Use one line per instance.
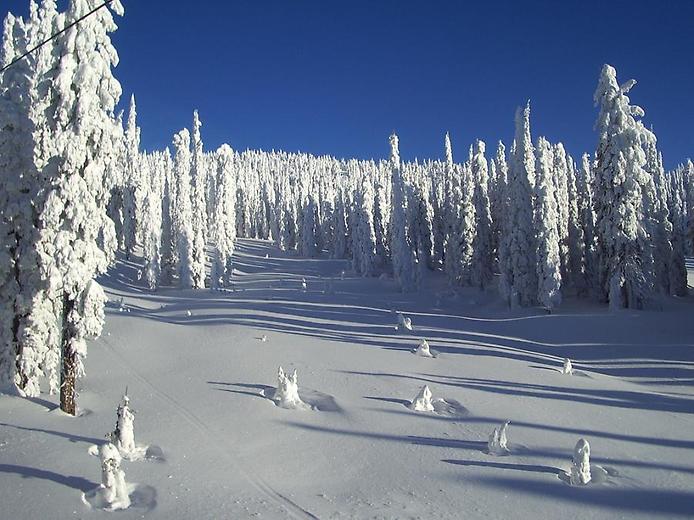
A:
(295, 510)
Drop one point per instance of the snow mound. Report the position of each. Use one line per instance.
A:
(498, 441)
(139, 496)
(423, 350)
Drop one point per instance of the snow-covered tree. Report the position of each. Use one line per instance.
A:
(546, 217)
(224, 222)
(308, 246)
(152, 171)
(576, 237)
(76, 238)
(132, 188)
(402, 254)
(198, 168)
(123, 436)
(500, 214)
(168, 230)
(364, 257)
(625, 269)
(678, 214)
(482, 252)
(586, 217)
(560, 176)
(184, 208)
(518, 271)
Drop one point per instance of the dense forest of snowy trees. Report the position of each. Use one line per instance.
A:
(526, 219)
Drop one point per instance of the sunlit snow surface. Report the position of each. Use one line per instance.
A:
(197, 371)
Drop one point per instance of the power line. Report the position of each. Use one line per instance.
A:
(54, 36)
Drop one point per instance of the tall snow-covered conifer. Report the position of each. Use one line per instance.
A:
(518, 273)
(625, 258)
(546, 218)
(402, 254)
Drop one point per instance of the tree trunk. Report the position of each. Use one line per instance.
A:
(68, 374)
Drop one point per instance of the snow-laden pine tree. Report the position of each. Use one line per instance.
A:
(168, 229)
(561, 193)
(546, 218)
(152, 172)
(402, 255)
(198, 169)
(621, 180)
(657, 211)
(184, 208)
(20, 363)
(678, 214)
(518, 272)
(77, 240)
(586, 216)
(689, 206)
(461, 239)
(482, 252)
(339, 246)
(224, 221)
(576, 238)
(308, 246)
(132, 188)
(421, 223)
(364, 258)
(500, 213)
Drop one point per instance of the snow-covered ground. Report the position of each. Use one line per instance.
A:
(201, 369)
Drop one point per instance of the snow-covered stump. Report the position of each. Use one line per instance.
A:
(498, 441)
(304, 287)
(422, 402)
(423, 350)
(287, 393)
(112, 494)
(580, 468)
(123, 437)
(568, 368)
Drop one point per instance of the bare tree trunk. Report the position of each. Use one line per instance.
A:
(20, 378)
(68, 374)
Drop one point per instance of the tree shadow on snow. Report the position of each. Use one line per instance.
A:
(639, 500)
(74, 482)
(533, 468)
(69, 436)
(601, 397)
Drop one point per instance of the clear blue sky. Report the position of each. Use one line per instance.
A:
(336, 77)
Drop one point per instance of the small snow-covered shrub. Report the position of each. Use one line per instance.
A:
(423, 349)
(112, 494)
(498, 441)
(422, 402)
(580, 469)
(287, 393)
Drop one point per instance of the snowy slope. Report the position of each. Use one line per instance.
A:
(196, 367)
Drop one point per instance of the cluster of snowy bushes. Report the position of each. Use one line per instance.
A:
(76, 187)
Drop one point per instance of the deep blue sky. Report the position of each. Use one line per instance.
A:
(336, 77)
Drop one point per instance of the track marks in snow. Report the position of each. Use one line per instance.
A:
(293, 509)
